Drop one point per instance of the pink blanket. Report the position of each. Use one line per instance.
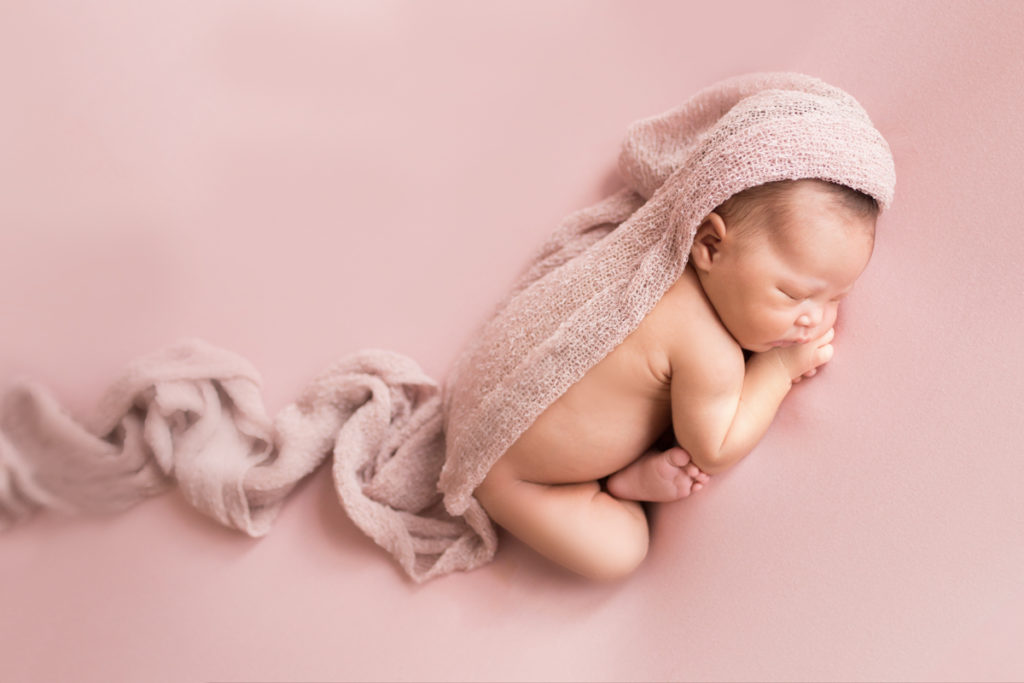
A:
(193, 413)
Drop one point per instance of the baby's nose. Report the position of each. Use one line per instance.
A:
(819, 318)
(811, 318)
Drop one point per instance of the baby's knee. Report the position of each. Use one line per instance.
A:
(577, 525)
(618, 552)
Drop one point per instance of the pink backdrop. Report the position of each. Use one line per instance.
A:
(296, 181)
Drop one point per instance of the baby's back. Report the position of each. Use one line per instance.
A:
(615, 412)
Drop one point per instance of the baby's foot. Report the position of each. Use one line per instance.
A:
(658, 476)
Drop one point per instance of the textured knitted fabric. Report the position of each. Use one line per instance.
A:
(408, 454)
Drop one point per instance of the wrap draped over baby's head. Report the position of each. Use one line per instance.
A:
(409, 454)
(756, 129)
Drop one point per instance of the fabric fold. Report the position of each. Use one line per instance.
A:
(193, 413)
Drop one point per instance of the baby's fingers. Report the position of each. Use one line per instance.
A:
(823, 354)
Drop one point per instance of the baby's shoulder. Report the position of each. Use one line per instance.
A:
(693, 338)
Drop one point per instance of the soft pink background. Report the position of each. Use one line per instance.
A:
(296, 181)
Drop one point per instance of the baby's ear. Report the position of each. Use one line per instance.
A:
(707, 242)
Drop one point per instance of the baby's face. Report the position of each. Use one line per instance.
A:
(783, 287)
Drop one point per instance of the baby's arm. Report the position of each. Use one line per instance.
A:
(721, 406)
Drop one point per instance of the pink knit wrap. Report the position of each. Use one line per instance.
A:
(408, 454)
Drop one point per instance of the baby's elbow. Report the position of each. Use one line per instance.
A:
(704, 446)
(708, 463)
(705, 457)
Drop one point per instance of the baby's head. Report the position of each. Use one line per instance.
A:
(776, 259)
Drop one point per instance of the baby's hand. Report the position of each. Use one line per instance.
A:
(803, 360)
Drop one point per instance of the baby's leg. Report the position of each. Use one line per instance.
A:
(577, 525)
(658, 476)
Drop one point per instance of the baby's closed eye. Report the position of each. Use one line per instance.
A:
(797, 296)
(794, 297)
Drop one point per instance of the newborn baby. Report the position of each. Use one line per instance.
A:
(765, 275)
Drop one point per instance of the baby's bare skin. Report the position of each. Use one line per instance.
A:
(617, 410)
(682, 371)
(545, 489)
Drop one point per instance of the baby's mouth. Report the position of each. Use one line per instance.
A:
(782, 343)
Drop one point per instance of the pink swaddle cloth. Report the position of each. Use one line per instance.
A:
(407, 452)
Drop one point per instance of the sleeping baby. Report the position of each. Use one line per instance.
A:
(766, 272)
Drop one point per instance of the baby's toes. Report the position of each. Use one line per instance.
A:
(678, 456)
(684, 484)
(697, 478)
(693, 471)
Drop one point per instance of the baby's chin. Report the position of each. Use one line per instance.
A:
(753, 345)
(748, 347)
(760, 347)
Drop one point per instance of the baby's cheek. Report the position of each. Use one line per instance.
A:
(775, 326)
(830, 318)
